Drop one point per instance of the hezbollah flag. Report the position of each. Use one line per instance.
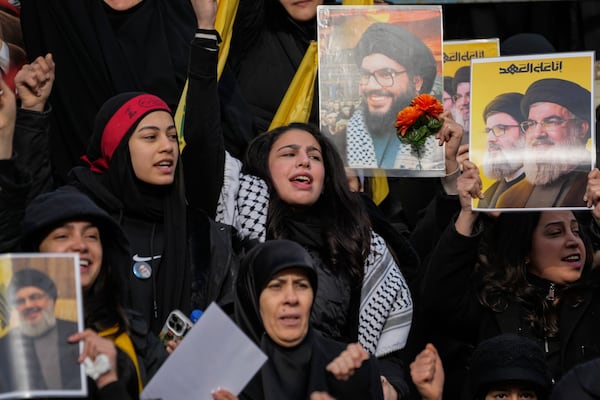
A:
(297, 102)
(226, 10)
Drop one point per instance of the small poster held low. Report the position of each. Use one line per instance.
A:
(41, 306)
(533, 130)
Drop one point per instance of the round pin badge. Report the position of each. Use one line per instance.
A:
(142, 270)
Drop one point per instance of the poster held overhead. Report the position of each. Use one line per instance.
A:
(533, 130)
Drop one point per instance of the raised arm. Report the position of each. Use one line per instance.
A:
(34, 83)
(203, 157)
(448, 291)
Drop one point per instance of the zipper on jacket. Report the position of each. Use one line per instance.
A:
(550, 295)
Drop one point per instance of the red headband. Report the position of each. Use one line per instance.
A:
(120, 123)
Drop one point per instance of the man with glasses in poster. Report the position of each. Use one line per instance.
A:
(503, 159)
(556, 160)
(395, 66)
(35, 355)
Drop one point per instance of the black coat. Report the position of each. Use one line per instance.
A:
(363, 384)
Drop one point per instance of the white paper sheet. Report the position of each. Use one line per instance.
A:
(214, 354)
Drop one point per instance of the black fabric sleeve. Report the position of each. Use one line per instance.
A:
(392, 367)
(203, 157)
(14, 188)
(449, 295)
(113, 391)
(31, 143)
(248, 23)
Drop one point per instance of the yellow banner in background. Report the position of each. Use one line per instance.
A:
(459, 53)
(297, 102)
(5, 276)
(358, 2)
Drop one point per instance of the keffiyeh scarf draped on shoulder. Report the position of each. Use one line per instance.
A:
(361, 150)
(386, 305)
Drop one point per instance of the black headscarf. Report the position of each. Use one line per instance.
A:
(102, 301)
(110, 180)
(286, 373)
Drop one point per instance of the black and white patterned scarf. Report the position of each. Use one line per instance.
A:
(361, 150)
(386, 306)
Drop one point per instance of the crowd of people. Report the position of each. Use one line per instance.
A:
(417, 297)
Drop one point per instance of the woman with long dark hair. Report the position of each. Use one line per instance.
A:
(292, 185)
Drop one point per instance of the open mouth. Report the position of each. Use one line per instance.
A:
(290, 320)
(84, 265)
(572, 258)
(302, 179)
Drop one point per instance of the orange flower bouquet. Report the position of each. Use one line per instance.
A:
(421, 119)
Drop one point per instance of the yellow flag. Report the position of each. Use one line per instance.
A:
(226, 10)
(297, 102)
(379, 186)
(358, 2)
(5, 276)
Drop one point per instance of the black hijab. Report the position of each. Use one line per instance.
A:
(110, 180)
(102, 301)
(287, 372)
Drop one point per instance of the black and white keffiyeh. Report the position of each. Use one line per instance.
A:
(386, 306)
(361, 150)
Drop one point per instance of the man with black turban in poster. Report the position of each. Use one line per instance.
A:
(503, 158)
(556, 162)
(395, 66)
(36, 355)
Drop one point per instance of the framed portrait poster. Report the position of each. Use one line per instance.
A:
(533, 130)
(40, 307)
(373, 61)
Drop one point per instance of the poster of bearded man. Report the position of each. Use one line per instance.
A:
(532, 131)
(43, 308)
